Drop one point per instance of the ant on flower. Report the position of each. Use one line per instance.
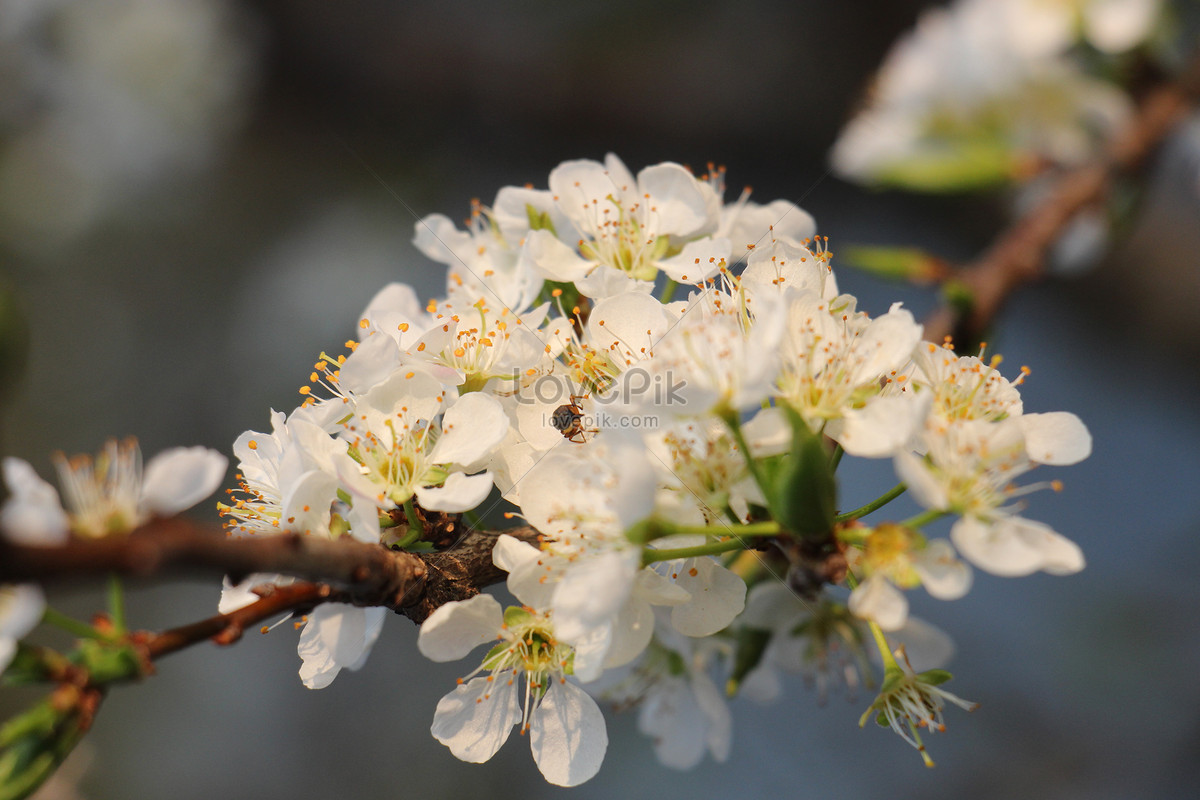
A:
(568, 419)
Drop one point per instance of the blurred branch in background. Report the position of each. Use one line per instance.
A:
(1019, 255)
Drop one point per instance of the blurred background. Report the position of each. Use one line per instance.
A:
(198, 196)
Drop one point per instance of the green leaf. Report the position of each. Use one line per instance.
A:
(803, 489)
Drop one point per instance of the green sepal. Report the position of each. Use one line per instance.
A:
(935, 677)
(751, 644)
(515, 615)
(891, 679)
(803, 489)
(539, 220)
(495, 655)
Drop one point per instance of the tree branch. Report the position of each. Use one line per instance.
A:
(360, 573)
(1018, 255)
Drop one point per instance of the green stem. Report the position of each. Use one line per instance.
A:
(650, 555)
(874, 505)
(414, 522)
(836, 457)
(408, 539)
(730, 417)
(116, 604)
(885, 652)
(924, 518)
(669, 290)
(751, 529)
(71, 626)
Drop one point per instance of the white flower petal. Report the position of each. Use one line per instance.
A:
(942, 574)
(235, 596)
(591, 652)
(475, 719)
(876, 599)
(460, 492)
(555, 260)
(922, 484)
(21, 607)
(1115, 26)
(471, 429)
(509, 553)
(440, 240)
(674, 720)
(882, 426)
(698, 261)
(178, 478)
(763, 685)
(659, 590)
(678, 206)
(718, 595)
(371, 363)
(33, 513)
(627, 326)
(567, 735)
(1012, 547)
(337, 636)
(1059, 438)
(716, 714)
(631, 633)
(592, 591)
(926, 646)
(458, 627)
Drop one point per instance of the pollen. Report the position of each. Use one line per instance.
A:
(252, 444)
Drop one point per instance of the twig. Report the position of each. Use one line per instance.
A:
(228, 628)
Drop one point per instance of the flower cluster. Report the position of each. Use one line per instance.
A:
(985, 90)
(661, 382)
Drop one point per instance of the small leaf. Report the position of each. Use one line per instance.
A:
(803, 489)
